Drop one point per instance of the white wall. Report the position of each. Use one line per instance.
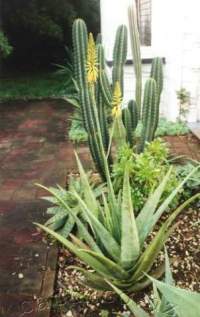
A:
(175, 36)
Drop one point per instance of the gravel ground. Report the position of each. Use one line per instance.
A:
(73, 299)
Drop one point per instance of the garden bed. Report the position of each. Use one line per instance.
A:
(73, 299)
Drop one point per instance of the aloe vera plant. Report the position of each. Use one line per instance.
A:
(113, 238)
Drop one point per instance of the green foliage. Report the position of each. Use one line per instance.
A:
(113, 238)
(36, 86)
(40, 26)
(77, 133)
(183, 95)
(166, 127)
(193, 184)
(184, 98)
(145, 169)
(5, 47)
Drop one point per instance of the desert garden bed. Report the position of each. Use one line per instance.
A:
(73, 299)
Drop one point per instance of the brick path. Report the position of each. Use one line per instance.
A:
(33, 148)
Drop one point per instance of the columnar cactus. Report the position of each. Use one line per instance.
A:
(105, 86)
(130, 120)
(149, 113)
(157, 74)
(86, 74)
(136, 53)
(119, 56)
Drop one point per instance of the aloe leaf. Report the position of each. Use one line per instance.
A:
(145, 216)
(130, 246)
(93, 280)
(58, 224)
(88, 238)
(68, 226)
(104, 235)
(116, 271)
(53, 210)
(89, 259)
(185, 303)
(145, 281)
(107, 214)
(168, 273)
(134, 308)
(147, 258)
(168, 200)
(90, 198)
(62, 214)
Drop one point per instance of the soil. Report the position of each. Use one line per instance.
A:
(74, 299)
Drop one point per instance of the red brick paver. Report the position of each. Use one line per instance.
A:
(33, 148)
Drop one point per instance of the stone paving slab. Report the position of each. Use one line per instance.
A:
(33, 148)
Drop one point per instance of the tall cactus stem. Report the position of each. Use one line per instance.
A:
(149, 113)
(120, 56)
(136, 53)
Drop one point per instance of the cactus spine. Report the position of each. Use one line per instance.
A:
(149, 113)
(135, 47)
(157, 74)
(119, 56)
(130, 120)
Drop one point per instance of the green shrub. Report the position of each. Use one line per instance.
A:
(193, 183)
(77, 132)
(145, 170)
(166, 127)
(5, 48)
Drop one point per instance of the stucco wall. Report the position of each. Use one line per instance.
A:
(175, 36)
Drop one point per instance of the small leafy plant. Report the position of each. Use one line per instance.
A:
(145, 171)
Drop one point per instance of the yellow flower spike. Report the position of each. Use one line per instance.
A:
(92, 68)
(117, 100)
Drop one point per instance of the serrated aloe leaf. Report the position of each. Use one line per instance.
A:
(116, 271)
(145, 216)
(168, 273)
(87, 258)
(130, 246)
(88, 238)
(90, 198)
(147, 258)
(59, 216)
(68, 226)
(93, 280)
(104, 235)
(185, 303)
(168, 200)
